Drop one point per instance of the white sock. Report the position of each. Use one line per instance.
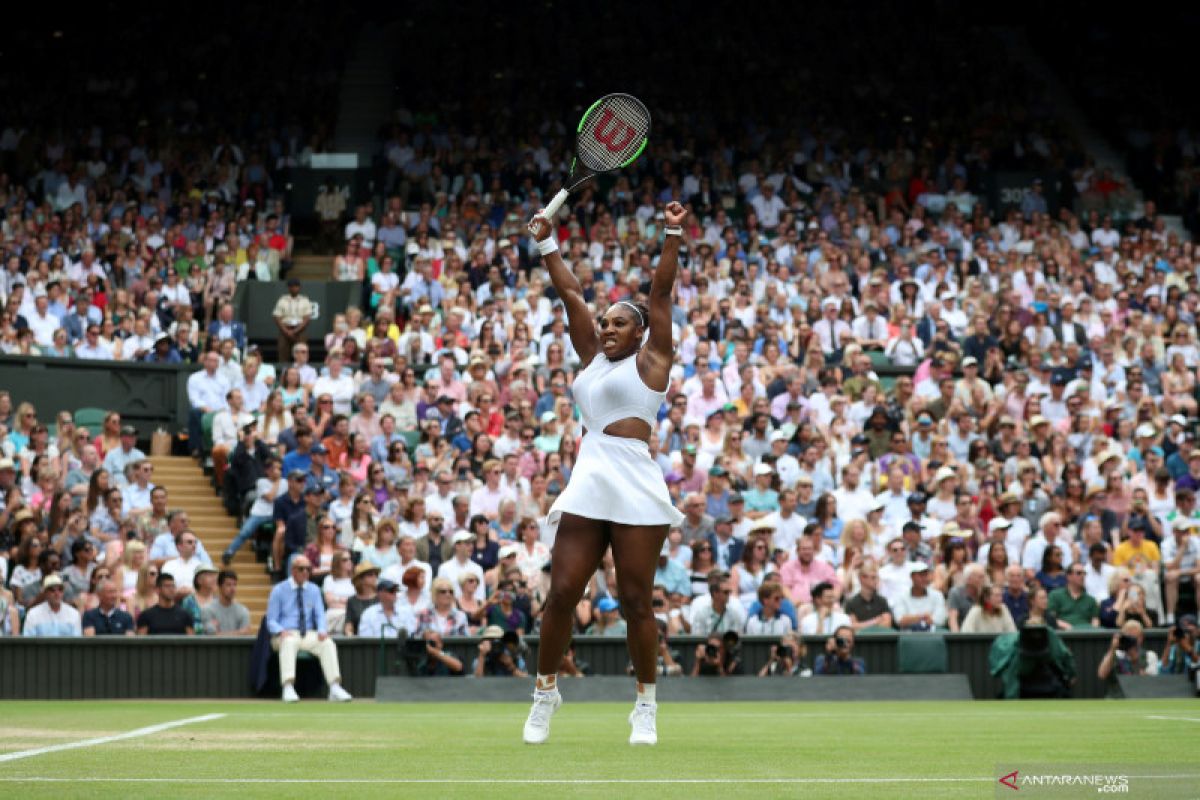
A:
(546, 683)
(646, 694)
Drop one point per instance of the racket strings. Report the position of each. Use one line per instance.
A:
(613, 132)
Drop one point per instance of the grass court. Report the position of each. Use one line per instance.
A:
(718, 750)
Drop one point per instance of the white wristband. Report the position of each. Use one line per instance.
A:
(676, 230)
(548, 245)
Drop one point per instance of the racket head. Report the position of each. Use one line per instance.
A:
(612, 133)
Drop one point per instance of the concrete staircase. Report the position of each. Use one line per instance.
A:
(188, 488)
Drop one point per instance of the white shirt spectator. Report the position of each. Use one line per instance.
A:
(183, 570)
(43, 621)
(366, 228)
(933, 603)
(787, 531)
(1095, 582)
(810, 625)
(43, 327)
(895, 581)
(451, 570)
(376, 623)
(206, 391)
(341, 389)
(705, 620)
(94, 352)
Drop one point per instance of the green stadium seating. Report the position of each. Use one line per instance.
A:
(921, 653)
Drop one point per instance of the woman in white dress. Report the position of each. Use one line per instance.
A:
(616, 496)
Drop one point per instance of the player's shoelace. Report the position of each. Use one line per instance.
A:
(543, 708)
(643, 719)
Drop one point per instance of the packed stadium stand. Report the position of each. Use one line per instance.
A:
(936, 352)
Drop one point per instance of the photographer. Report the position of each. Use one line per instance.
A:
(720, 656)
(427, 657)
(500, 655)
(787, 658)
(838, 658)
(1182, 655)
(1126, 656)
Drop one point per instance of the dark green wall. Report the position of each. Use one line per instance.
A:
(178, 667)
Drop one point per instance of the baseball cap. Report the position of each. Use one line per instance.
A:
(763, 469)
(462, 536)
(763, 524)
(297, 475)
(386, 585)
(673, 477)
(606, 604)
(319, 450)
(293, 282)
(912, 526)
(970, 361)
(508, 550)
(548, 416)
(7, 463)
(492, 632)
(919, 566)
(717, 471)
(860, 440)
(779, 436)
(444, 398)
(1000, 523)
(1178, 419)
(1145, 430)
(314, 489)
(689, 448)
(51, 580)
(128, 430)
(736, 498)
(917, 497)
(1058, 379)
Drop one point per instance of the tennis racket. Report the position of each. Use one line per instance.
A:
(611, 135)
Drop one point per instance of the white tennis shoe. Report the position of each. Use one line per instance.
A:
(289, 694)
(339, 695)
(644, 718)
(537, 727)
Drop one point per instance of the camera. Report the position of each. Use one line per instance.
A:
(711, 651)
(784, 651)
(658, 602)
(840, 642)
(414, 648)
(1126, 642)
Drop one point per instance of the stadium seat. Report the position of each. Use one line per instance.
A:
(411, 440)
(90, 418)
(921, 653)
(878, 358)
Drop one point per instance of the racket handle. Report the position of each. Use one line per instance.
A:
(555, 204)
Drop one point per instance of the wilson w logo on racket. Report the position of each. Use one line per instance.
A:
(607, 130)
(612, 134)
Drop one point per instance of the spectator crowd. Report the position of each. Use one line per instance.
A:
(895, 406)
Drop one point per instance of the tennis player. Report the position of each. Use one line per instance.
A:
(616, 495)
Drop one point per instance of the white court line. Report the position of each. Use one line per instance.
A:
(512, 781)
(789, 781)
(56, 748)
(1175, 719)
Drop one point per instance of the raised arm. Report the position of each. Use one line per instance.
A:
(581, 326)
(659, 344)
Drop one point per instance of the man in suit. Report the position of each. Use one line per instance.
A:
(226, 327)
(727, 550)
(296, 621)
(1065, 328)
(719, 325)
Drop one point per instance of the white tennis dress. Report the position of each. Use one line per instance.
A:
(614, 477)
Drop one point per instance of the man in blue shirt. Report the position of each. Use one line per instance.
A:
(671, 575)
(296, 621)
(107, 619)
